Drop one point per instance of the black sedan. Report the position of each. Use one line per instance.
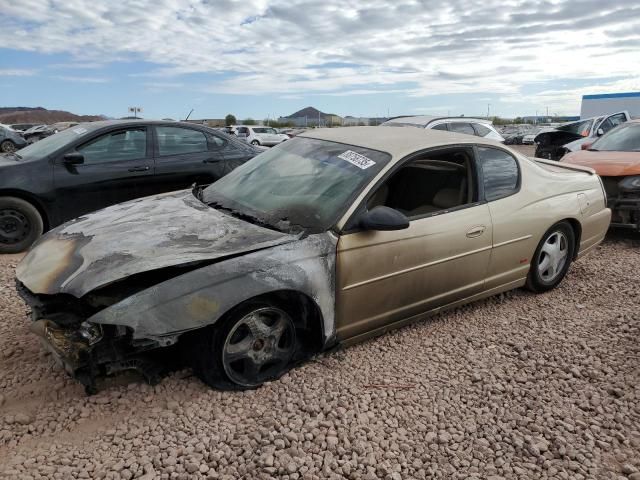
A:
(94, 165)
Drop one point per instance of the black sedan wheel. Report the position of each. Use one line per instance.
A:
(20, 225)
(255, 344)
(7, 147)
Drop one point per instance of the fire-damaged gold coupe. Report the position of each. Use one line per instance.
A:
(330, 238)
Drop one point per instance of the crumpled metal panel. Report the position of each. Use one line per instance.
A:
(138, 236)
(200, 297)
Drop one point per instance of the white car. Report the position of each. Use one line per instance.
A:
(471, 126)
(265, 136)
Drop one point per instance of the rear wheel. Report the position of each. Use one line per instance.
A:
(553, 256)
(255, 142)
(7, 147)
(256, 343)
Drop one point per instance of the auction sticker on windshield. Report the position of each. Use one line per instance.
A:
(356, 159)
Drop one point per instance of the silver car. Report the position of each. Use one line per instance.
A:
(470, 126)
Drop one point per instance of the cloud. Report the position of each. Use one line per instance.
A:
(72, 78)
(418, 48)
(16, 72)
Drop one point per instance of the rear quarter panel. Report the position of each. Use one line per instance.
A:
(547, 195)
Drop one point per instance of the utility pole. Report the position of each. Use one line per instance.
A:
(488, 108)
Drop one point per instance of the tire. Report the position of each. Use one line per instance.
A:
(255, 343)
(20, 225)
(552, 258)
(255, 142)
(8, 147)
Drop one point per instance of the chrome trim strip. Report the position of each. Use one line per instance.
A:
(513, 240)
(417, 267)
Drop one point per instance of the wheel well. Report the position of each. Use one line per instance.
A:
(305, 314)
(32, 200)
(577, 233)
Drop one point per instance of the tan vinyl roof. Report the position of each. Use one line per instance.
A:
(398, 141)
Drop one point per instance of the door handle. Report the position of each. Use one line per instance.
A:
(211, 160)
(139, 169)
(476, 231)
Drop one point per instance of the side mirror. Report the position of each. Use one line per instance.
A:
(384, 219)
(586, 145)
(73, 158)
(600, 132)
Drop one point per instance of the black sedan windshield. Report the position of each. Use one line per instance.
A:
(303, 184)
(48, 145)
(625, 138)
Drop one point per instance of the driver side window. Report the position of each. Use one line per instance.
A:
(129, 144)
(437, 182)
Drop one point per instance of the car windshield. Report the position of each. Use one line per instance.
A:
(579, 128)
(48, 145)
(303, 184)
(625, 138)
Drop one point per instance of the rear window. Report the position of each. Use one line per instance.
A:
(481, 130)
(460, 127)
(500, 173)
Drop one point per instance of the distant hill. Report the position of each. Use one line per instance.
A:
(9, 115)
(309, 112)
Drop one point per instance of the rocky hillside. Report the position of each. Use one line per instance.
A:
(9, 115)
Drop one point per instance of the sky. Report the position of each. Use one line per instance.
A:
(266, 58)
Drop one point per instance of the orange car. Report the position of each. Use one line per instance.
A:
(616, 158)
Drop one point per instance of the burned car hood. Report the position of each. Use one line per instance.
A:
(605, 163)
(143, 235)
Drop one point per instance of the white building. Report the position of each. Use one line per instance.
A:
(604, 104)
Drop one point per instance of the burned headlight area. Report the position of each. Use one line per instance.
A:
(87, 350)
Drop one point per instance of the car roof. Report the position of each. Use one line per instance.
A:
(398, 142)
(427, 119)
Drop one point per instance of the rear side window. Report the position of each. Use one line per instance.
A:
(177, 141)
(481, 130)
(500, 173)
(442, 126)
(460, 127)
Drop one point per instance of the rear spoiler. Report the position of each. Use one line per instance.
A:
(566, 166)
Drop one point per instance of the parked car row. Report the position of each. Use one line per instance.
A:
(257, 135)
(272, 264)
(16, 136)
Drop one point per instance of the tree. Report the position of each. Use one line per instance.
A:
(230, 120)
(249, 121)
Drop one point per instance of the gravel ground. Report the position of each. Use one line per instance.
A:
(518, 386)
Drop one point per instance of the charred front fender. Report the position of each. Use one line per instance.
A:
(202, 296)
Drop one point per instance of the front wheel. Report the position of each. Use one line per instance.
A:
(255, 142)
(256, 343)
(20, 225)
(552, 258)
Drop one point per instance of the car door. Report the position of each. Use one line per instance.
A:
(611, 122)
(185, 156)
(386, 276)
(500, 173)
(116, 166)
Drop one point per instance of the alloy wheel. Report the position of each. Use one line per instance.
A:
(259, 346)
(7, 147)
(553, 256)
